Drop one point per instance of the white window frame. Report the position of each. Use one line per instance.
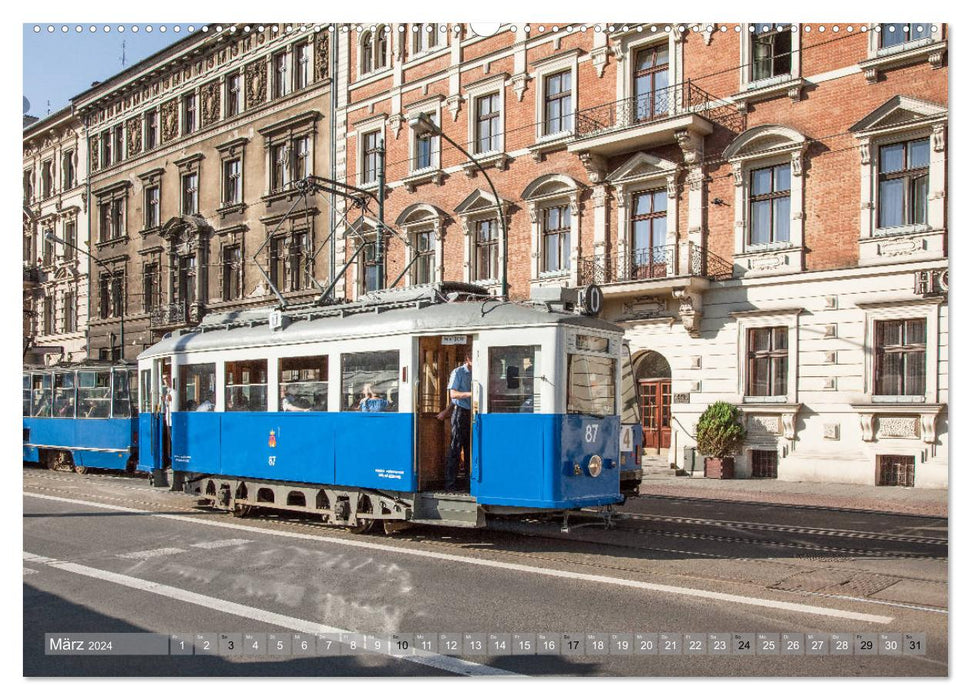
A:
(746, 83)
(433, 108)
(473, 92)
(546, 191)
(644, 172)
(478, 206)
(745, 155)
(544, 69)
(629, 44)
(874, 50)
(749, 320)
(376, 124)
(422, 217)
(375, 31)
(912, 241)
(928, 310)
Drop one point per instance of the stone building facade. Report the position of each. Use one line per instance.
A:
(763, 206)
(195, 153)
(55, 285)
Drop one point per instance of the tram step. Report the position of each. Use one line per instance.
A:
(454, 509)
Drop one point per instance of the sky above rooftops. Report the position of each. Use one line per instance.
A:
(59, 65)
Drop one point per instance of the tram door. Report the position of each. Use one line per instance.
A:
(656, 413)
(154, 422)
(438, 356)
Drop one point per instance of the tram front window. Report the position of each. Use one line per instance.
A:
(120, 396)
(369, 381)
(26, 394)
(94, 394)
(591, 386)
(246, 385)
(64, 395)
(511, 384)
(303, 383)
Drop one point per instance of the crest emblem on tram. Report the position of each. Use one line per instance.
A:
(272, 441)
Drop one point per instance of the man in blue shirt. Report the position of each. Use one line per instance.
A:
(460, 394)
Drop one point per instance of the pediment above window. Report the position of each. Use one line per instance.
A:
(765, 140)
(419, 214)
(642, 166)
(478, 201)
(900, 112)
(550, 185)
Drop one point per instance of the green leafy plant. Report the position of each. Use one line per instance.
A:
(720, 430)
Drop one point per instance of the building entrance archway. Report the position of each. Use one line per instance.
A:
(652, 372)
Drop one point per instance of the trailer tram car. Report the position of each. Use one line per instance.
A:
(81, 416)
(265, 409)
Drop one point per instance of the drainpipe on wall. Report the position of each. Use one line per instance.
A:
(87, 199)
(333, 148)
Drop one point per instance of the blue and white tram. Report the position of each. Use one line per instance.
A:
(80, 416)
(265, 409)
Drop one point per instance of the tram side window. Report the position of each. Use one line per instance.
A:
(64, 395)
(512, 387)
(303, 383)
(94, 394)
(590, 385)
(26, 394)
(145, 392)
(246, 385)
(369, 381)
(40, 397)
(197, 387)
(120, 395)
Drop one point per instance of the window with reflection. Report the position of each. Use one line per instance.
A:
(303, 383)
(121, 394)
(369, 381)
(40, 397)
(64, 399)
(246, 385)
(511, 379)
(197, 387)
(94, 394)
(591, 385)
(904, 183)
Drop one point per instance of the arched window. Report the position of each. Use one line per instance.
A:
(367, 53)
(384, 35)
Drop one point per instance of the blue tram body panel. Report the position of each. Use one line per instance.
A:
(367, 450)
(102, 443)
(529, 460)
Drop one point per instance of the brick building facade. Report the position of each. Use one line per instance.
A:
(763, 206)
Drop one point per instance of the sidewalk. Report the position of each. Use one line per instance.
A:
(888, 499)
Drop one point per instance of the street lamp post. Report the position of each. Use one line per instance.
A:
(121, 315)
(423, 125)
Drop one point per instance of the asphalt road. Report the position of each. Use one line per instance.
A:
(106, 554)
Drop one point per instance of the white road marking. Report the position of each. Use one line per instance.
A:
(556, 573)
(28, 572)
(217, 544)
(151, 553)
(444, 663)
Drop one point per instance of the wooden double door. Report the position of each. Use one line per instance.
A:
(438, 357)
(656, 412)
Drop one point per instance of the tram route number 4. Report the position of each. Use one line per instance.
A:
(626, 438)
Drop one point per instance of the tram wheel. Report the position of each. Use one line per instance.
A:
(60, 461)
(362, 527)
(393, 526)
(242, 511)
(80, 469)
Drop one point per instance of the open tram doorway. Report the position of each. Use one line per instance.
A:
(438, 356)
(653, 375)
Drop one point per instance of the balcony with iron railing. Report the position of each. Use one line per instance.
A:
(175, 314)
(652, 268)
(651, 119)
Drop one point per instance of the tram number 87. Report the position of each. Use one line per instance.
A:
(591, 433)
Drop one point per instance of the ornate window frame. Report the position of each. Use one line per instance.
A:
(472, 92)
(790, 84)
(626, 44)
(880, 60)
(558, 63)
(376, 123)
(419, 218)
(881, 127)
(232, 150)
(433, 108)
(152, 178)
(765, 318)
(108, 195)
(479, 206)
(550, 190)
(760, 147)
(641, 172)
(374, 31)
(285, 133)
(188, 166)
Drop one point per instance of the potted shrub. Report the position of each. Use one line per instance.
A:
(720, 437)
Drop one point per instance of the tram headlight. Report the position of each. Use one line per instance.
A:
(595, 465)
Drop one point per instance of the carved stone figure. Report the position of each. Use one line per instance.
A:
(255, 83)
(321, 48)
(133, 129)
(170, 120)
(210, 102)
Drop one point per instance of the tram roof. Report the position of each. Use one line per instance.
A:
(252, 329)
